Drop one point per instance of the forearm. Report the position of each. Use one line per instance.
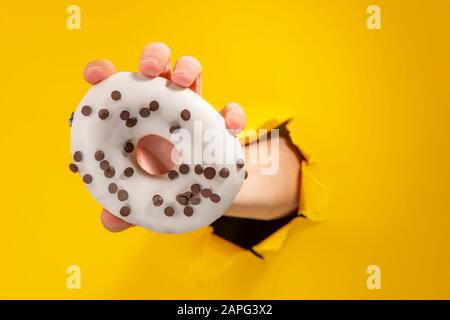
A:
(268, 197)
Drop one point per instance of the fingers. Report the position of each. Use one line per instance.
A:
(155, 60)
(187, 73)
(234, 117)
(112, 223)
(97, 71)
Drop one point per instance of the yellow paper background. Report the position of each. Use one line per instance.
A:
(373, 105)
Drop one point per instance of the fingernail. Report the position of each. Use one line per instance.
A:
(95, 74)
(151, 67)
(234, 122)
(182, 76)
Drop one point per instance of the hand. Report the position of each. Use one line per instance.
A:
(156, 61)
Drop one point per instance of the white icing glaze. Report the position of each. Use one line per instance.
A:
(90, 134)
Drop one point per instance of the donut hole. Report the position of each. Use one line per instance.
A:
(154, 154)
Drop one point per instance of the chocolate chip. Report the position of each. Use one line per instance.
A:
(154, 105)
(87, 178)
(198, 169)
(174, 128)
(109, 172)
(125, 211)
(224, 172)
(157, 200)
(184, 169)
(71, 119)
(131, 122)
(128, 147)
(182, 199)
(246, 174)
(215, 198)
(172, 174)
(73, 167)
(128, 172)
(240, 163)
(169, 211)
(144, 112)
(206, 193)
(104, 164)
(115, 95)
(188, 211)
(209, 173)
(112, 188)
(188, 194)
(185, 114)
(103, 114)
(78, 156)
(195, 188)
(86, 111)
(122, 195)
(124, 115)
(99, 155)
(195, 200)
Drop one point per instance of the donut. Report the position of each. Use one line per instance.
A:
(105, 129)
